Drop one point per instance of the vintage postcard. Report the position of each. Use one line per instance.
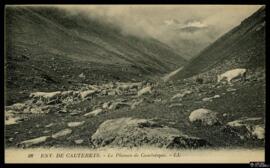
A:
(135, 83)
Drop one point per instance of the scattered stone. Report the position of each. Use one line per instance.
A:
(246, 128)
(63, 110)
(157, 100)
(10, 139)
(106, 105)
(79, 141)
(49, 125)
(46, 131)
(75, 124)
(35, 141)
(118, 105)
(74, 113)
(62, 133)
(82, 76)
(204, 117)
(130, 132)
(175, 105)
(231, 90)
(111, 106)
(171, 122)
(11, 118)
(66, 93)
(94, 113)
(16, 107)
(118, 92)
(36, 110)
(241, 122)
(136, 103)
(181, 95)
(103, 92)
(207, 99)
(112, 93)
(216, 96)
(258, 131)
(164, 101)
(210, 98)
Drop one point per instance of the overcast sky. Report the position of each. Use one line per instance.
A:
(166, 21)
(194, 25)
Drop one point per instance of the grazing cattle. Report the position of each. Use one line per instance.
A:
(87, 93)
(127, 86)
(65, 94)
(145, 90)
(46, 96)
(232, 74)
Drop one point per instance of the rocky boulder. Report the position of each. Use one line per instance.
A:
(118, 105)
(75, 124)
(181, 95)
(132, 132)
(31, 142)
(61, 133)
(246, 128)
(204, 117)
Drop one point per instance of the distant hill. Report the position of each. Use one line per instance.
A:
(241, 47)
(47, 47)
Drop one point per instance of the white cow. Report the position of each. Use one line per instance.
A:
(232, 74)
(46, 96)
(87, 93)
(127, 86)
(147, 89)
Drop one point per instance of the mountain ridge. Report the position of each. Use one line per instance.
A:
(242, 46)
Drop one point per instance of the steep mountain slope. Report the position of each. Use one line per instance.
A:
(49, 47)
(243, 47)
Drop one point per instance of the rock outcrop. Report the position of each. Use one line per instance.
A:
(204, 117)
(132, 132)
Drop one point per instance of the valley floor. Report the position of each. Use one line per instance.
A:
(73, 126)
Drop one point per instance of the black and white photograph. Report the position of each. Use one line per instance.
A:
(134, 83)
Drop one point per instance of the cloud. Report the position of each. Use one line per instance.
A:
(171, 22)
(188, 26)
(199, 23)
